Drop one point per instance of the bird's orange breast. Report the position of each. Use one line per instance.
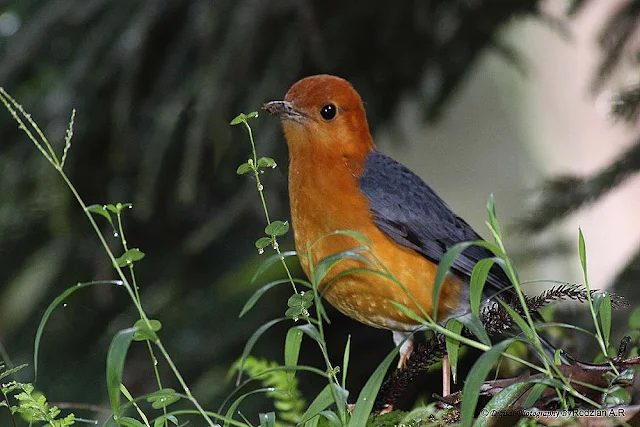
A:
(328, 199)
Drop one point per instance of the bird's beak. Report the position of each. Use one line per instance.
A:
(284, 110)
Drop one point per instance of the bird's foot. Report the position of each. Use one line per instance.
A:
(406, 350)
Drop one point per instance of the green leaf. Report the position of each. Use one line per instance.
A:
(582, 251)
(367, 396)
(345, 360)
(160, 421)
(252, 341)
(312, 332)
(244, 168)
(319, 404)
(453, 346)
(332, 418)
(263, 242)
(324, 265)
(517, 318)
(605, 317)
(447, 261)
(252, 114)
(129, 257)
(47, 313)
(277, 228)
(617, 396)
(238, 119)
(262, 290)
(407, 312)
(266, 162)
(100, 210)
(129, 422)
(493, 219)
(268, 419)
(475, 326)
(500, 401)
(291, 352)
(634, 319)
(144, 333)
(476, 284)
(228, 419)
(534, 394)
(475, 379)
(163, 398)
(9, 372)
(270, 261)
(115, 365)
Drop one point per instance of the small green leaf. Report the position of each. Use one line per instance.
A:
(277, 228)
(112, 208)
(475, 326)
(453, 346)
(617, 396)
(101, 210)
(238, 119)
(160, 421)
(263, 242)
(266, 162)
(268, 419)
(163, 398)
(129, 257)
(144, 333)
(475, 379)
(129, 422)
(252, 114)
(244, 168)
(634, 319)
(293, 312)
(582, 251)
(605, 317)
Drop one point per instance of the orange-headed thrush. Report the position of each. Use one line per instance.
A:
(339, 181)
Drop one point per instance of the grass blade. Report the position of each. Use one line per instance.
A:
(475, 379)
(115, 365)
(453, 346)
(262, 290)
(252, 341)
(500, 401)
(270, 261)
(367, 396)
(292, 351)
(47, 313)
(322, 401)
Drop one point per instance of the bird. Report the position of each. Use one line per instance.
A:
(339, 180)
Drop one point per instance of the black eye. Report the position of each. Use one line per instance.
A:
(328, 112)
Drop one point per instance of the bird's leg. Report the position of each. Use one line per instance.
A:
(446, 376)
(405, 340)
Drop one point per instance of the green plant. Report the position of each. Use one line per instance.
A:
(145, 328)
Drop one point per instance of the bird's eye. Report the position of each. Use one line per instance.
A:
(328, 112)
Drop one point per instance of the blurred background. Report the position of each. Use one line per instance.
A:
(534, 101)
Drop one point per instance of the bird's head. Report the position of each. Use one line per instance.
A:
(323, 113)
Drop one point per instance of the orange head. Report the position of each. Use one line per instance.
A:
(323, 115)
